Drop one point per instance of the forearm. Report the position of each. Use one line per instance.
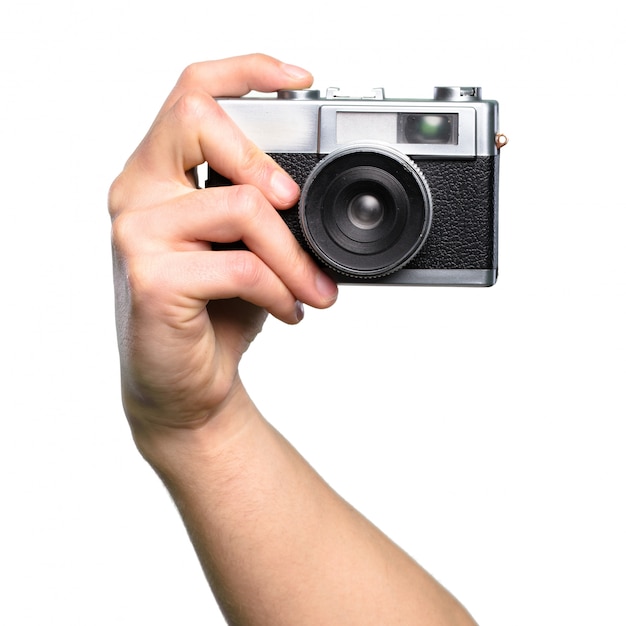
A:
(277, 544)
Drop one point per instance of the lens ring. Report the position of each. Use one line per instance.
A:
(396, 193)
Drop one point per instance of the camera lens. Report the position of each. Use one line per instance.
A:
(365, 210)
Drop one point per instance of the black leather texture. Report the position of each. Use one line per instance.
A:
(463, 233)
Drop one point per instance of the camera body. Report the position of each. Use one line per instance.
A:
(394, 191)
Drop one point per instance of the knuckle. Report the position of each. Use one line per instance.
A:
(246, 204)
(144, 283)
(143, 270)
(247, 269)
(191, 74)
(124, 233)
(192, 106)
(119, 231)
(117, 196)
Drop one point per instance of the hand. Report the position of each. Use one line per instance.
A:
(186, 313)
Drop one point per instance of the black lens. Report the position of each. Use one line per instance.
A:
(365, 212)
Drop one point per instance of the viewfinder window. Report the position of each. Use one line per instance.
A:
(428, 128)
(398, 128)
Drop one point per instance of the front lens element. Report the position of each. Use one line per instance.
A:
(365, 211)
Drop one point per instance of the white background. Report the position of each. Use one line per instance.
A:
(481, 429)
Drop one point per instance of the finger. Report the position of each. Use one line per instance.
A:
(192, 128)
(225, 215)
(196, 129)
(192, 279)
(237, 76)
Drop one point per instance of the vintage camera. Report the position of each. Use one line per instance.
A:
(394, 191)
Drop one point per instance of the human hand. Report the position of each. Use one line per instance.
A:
(186, 313)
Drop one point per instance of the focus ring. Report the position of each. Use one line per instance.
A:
(365, 210)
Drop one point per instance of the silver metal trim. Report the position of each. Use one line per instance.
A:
(299, 125)
(466, 146)
(429, 278)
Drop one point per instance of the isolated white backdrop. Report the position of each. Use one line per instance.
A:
(481, 429)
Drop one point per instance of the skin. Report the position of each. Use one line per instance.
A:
(277, 544)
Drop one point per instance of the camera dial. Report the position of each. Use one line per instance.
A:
(365, 210)
(298, 94)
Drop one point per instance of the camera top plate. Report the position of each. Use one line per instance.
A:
(302, 121)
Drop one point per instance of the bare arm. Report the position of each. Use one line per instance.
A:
(277, 544)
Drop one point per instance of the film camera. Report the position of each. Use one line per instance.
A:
(394, 191)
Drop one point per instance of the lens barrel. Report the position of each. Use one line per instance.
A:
(365, 210)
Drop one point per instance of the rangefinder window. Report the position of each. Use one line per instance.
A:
(377, 125)
(420, 128)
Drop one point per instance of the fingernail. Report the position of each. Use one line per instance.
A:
(284, 187)
(295, 72)
(299, 310)
(326, 287)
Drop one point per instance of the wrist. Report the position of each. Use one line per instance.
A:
(171, 449)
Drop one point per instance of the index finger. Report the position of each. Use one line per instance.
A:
(192, 128)
(236, 76)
